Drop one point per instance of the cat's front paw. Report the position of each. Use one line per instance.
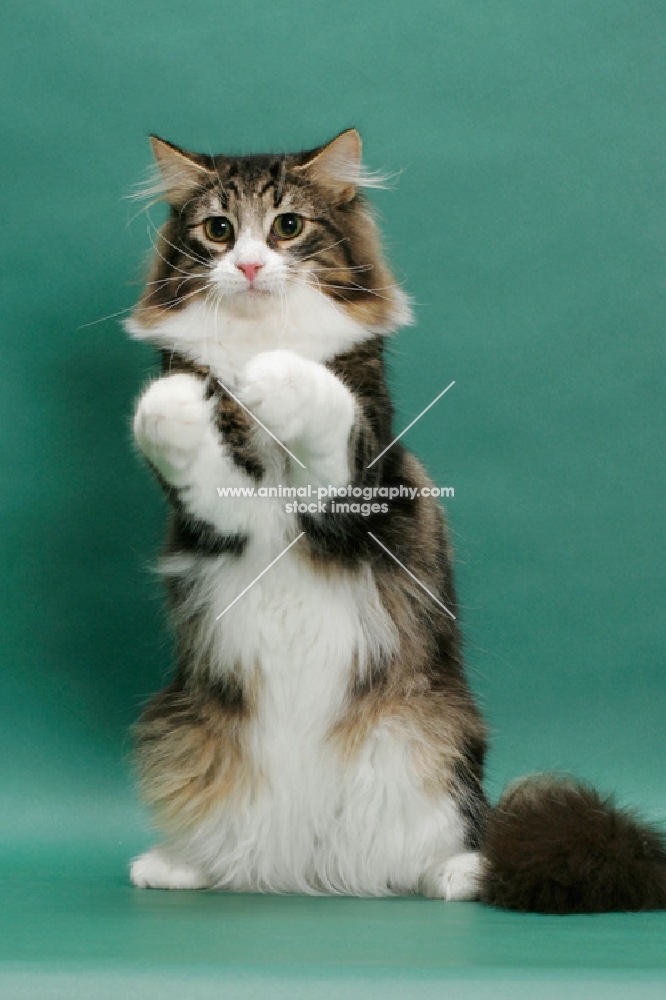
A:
(297, 400)
(171, 420)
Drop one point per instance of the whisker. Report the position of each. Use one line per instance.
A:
(317, 252)
(172, 277)
(193, 257)
(315, 279)
(177, 297)
(162, 257)
(351, 267)
(103, 319)
(144, 208)
(347, 287)
(182, 281)
(361, 288)
(128, 309)
(183, 298)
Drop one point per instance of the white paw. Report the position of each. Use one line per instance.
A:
(296, 399)
(456, 879)
(156, 869)
(170, 423)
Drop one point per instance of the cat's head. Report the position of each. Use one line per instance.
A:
(245, 232)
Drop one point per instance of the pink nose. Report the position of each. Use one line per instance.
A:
(249, 270)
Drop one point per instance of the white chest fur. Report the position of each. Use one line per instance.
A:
(226, 337)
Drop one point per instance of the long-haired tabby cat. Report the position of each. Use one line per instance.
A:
(319, 734)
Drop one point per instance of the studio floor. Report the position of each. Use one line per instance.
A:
(72, 927)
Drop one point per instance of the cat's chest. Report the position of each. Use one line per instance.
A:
(302, 320)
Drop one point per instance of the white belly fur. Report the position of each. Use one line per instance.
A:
(317, 822)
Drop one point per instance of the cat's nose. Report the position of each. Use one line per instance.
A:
(249, 270)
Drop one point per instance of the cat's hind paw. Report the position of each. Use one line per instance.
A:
(158, 869)
(456, 879)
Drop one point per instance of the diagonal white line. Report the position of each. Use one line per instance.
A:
(410, 425)
(414, 578)
(257, 420)
(259, 577)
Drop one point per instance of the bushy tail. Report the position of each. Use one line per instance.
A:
(554, 845)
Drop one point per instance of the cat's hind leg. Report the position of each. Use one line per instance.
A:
(159, 868)
(456, 879)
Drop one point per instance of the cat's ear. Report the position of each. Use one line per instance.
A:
(180, 173)
(336, 165)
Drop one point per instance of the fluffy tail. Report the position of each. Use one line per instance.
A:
(556, 846)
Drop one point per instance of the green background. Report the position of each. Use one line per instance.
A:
(528, 223)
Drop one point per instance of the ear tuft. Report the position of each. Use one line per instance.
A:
(179, 171)
(337, 165)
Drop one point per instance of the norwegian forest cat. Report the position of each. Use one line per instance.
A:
(319, 734)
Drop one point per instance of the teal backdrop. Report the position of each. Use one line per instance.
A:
(527, 220)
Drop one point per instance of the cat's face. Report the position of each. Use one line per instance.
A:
(245, 231)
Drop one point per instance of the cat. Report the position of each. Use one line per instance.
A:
(319, 734)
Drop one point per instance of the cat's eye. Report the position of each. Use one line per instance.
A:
(288, 225)
(218, 229)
